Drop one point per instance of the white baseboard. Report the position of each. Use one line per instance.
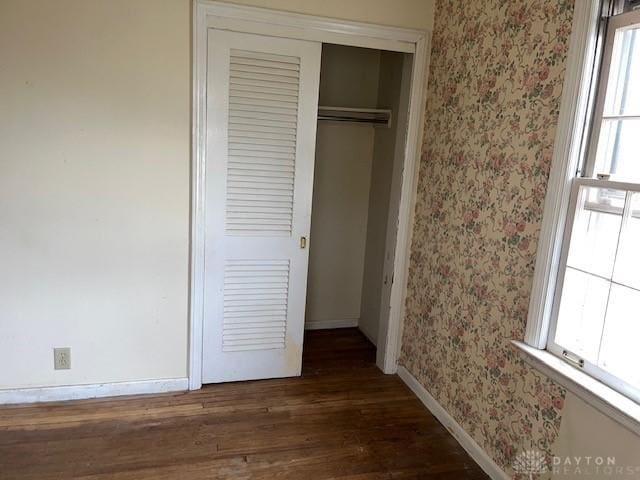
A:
(464, 439)
(325, 324)
(78, 392)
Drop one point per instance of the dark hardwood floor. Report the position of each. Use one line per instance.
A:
(343, 419)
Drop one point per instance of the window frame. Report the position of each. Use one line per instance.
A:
(588, 67)
(587, 178)
(583, 58)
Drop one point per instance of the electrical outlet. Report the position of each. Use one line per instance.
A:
(62, 358)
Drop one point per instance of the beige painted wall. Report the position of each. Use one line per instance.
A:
(339, 221)
(344, 155)
(94, 189)
(384, 149)
(94, 181)
(349, 77)
(399, 13)
(585, 432)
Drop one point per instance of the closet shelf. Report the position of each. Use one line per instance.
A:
(374, 116)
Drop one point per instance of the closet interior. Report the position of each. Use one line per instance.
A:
(360, 143)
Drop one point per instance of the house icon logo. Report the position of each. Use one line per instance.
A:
(530, 462)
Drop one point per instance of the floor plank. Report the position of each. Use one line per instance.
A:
(343, 419)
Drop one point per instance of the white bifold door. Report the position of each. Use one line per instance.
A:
(262, 100)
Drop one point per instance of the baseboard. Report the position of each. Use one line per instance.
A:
(78, 392)
(325, 324)
(474, 450)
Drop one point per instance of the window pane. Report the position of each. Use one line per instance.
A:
(599, 310)
(581, 316)
(620, 354)
(627, 266)
(619, 147)
(619, 139)
(596, 228)
(623, 96)
(590, 266)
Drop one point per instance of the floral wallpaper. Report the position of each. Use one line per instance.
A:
(494, 91)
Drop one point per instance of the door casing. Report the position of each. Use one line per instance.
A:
(213, 14)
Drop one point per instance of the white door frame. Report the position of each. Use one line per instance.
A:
(213, 14)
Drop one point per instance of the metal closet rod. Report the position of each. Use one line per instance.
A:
(376, 116)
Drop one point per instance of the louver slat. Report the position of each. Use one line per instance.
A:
(263, 112)
(256, 296)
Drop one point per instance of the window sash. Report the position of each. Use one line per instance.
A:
(560, 350)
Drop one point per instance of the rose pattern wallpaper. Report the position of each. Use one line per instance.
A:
(494, 89)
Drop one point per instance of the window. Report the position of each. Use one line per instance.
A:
(595, 315)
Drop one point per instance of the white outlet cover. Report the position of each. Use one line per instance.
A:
(62, 358)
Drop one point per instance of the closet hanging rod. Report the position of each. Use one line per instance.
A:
(376, 116)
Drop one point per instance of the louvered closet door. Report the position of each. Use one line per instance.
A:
(262, 100)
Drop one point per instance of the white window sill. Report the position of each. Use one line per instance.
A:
(605, 399)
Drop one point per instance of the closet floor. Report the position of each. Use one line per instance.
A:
(343, 419)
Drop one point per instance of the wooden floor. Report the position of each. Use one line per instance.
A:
(343, 419)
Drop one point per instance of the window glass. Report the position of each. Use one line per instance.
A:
(599, 312)
(619, 353)
(619, 148)
(623, 96)
(596, 227)
(619, 142)
(581, 316)
(627, 263)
